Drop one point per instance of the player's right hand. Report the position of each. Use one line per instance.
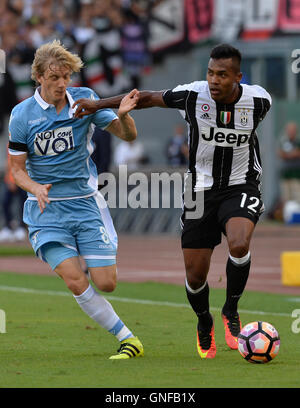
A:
(85, 107)
(41, 193)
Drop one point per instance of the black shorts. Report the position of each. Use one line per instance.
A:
(242, 200)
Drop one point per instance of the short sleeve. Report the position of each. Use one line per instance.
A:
(103, 117)
(17, 134)
(263, 94)
(177, 97)
(265, 101)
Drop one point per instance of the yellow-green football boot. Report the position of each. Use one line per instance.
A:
(129, 348)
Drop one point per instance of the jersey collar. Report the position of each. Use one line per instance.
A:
(45, 105)
(232, 103)
(235, 101)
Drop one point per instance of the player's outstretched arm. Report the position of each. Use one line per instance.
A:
(147, 99)
(22, 179)
(125, 127)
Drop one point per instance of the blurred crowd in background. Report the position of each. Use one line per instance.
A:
(113, 38)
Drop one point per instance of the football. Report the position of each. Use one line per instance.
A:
(258, 342)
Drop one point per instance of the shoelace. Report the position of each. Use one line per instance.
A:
(234, 325)
(131, 348)
(204, 340)
(122, 347)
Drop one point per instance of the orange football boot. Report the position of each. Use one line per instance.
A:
(232, 326)
(206, 345)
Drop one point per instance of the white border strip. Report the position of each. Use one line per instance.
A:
(130, 300)
(99, 257)
(33, 198)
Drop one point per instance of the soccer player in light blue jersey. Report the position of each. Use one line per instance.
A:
(66, 215)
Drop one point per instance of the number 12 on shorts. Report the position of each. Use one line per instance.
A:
(254, 202)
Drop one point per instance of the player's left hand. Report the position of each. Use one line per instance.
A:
(128, 103)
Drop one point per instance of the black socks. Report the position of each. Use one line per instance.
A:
(199, 300)
(237, 272)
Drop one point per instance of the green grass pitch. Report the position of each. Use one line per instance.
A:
(49, 342)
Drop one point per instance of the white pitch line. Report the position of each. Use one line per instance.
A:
(130, 300)
(293, 299)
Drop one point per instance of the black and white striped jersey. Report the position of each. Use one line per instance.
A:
(223, 144)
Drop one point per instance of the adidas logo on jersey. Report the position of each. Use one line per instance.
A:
(205, 116)
(225, 137)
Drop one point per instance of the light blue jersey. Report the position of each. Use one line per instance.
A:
(76, 221)
(58, 146)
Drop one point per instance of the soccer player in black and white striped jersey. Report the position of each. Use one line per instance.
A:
(224, 163)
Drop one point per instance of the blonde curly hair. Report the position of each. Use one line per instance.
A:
(54, 53)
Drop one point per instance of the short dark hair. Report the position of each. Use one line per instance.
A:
(226, 51)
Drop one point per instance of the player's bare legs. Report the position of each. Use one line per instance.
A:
(197, 263)
(70, 271)
(105, 277)
(239, 232)
(95, 305)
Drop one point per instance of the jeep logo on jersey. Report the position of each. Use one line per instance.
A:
(52, 142)
(225, 137)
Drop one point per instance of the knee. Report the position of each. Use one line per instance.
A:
(109, 285)
(195, 282)
(77, 286)
(105, 278)
(196, 275)
(238, 248)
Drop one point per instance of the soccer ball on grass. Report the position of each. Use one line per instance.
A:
(258, 342)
